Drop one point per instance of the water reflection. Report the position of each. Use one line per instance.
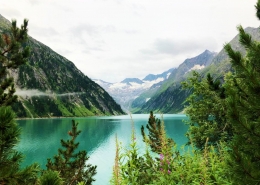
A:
(40, 138)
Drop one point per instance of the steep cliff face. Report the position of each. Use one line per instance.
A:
(51, 85)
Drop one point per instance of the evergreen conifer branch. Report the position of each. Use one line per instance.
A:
(70, 164)
(12, 55)
(257, 6)
(244, 110)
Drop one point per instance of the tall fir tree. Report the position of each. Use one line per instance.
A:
(12, 55)
(70, 164)
(243, 90)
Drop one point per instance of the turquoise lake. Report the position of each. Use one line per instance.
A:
(40, 138)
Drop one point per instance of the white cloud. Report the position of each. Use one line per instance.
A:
(43, 31)
(176, 46)
(115, 39)
(34, 2)
(35, 92)
(9, 11)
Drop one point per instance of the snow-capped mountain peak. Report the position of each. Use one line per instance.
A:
(126, 91)
(132, 80)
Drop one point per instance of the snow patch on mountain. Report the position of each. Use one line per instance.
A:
(117, 86)
(168, 75)
(126, 91)
(197, 67)
(132, 85)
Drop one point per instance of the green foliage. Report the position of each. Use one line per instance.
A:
(243, 91)
(207, 111)
(155, 138)
(116, 178)
(257, 6)
(12, 55)
(237, 100)
(194, 168)
(50, 178)
(70, 164)
(170, 100)
(49, 106)
(81, 183)
(170, 167)
(10, 159)
(131, 168)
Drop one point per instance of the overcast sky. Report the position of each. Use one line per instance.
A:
(116, 39)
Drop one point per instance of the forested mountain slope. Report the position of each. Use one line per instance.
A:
(51, 85)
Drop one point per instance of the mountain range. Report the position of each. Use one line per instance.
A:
(167, 95)
(133, 93)
(50, 85)
(126, 91)
(170, 97)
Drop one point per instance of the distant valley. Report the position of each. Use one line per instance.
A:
(129, 89)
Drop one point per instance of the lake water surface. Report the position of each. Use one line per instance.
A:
(40, 138)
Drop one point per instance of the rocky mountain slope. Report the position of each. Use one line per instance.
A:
(220, 64)
(51, 85)
(126, 91)
(170, 97)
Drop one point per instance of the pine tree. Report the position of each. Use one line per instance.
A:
(155, 134)
(12, 55)
(207, 111)
(70, 164)
(243, 90)
(50, 178)
(10, 159)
